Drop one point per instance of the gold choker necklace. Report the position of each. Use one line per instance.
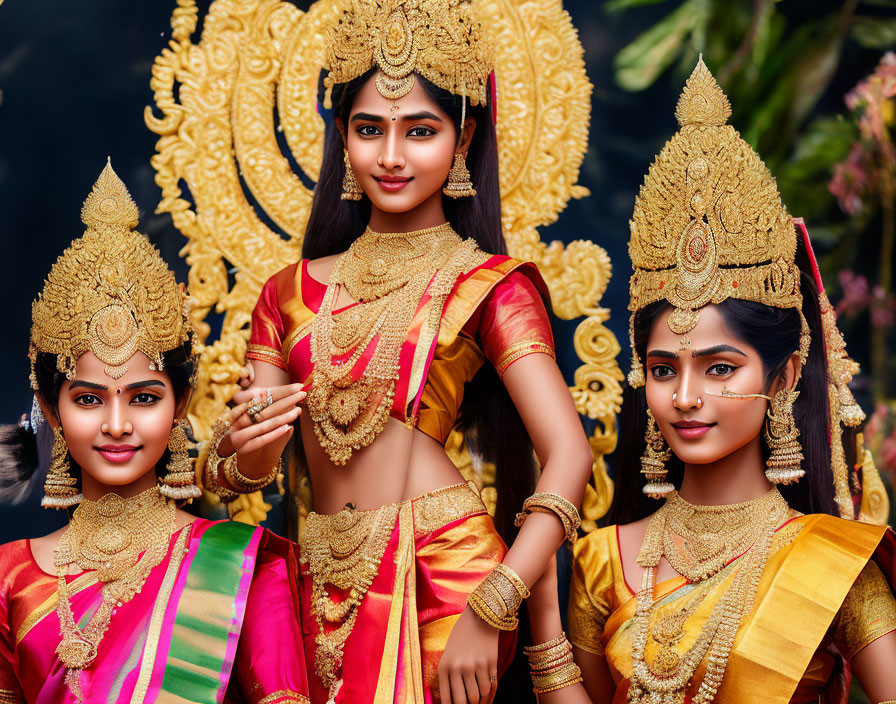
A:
(108, 536)
(700, 540)
(379, 263)
(388, 275)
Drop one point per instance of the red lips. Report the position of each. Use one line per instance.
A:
(117, 453)
(692, 429)
(392, 183)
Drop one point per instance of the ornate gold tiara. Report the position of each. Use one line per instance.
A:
(708, 222)
(439, 39)
(110, 292)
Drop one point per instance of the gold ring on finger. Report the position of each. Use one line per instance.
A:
(492, 678)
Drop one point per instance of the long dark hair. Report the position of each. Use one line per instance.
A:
(489, 420)
(775, 334)
(21, 453)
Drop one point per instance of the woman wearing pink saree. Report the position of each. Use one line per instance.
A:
(135, 600)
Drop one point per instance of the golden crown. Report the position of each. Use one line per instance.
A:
(110, 292)
(708, 222)
(439, 39)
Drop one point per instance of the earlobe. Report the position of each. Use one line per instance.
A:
(50, 414)
(466, 135)
(340, 125)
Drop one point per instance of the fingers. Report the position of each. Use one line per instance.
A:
(253, 432)
(471, 685)
(487, 685)
(278, 392)
(458, 690)
(247, 375)
(281, 432)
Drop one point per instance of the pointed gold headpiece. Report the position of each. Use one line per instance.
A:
(439, 39)
(110, 292)
(708, 222)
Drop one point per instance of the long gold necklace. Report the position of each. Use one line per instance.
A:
(349, 410)
(345, 550)
(108, 536)
(667, 679)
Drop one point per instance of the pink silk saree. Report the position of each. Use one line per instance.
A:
(215, 622)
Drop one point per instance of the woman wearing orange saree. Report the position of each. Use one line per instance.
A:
(746, 585)
(400, 330)
(135, 600)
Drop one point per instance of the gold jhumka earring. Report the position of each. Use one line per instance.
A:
(60, 487)
(784, 464)
(653, 461)
(180, 481)
(459, 184)
(351, 189)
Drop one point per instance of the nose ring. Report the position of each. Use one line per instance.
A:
(699, 402)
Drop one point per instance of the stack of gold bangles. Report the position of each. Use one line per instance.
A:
(564, 509)
(551, 665)
(238, 481)
(498, 598)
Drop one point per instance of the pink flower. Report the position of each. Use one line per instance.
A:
(856, 293)
(850, 180)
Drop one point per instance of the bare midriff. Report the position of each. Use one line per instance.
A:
(400, 464)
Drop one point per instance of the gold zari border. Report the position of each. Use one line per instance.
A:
(520, 350)
(284, 696)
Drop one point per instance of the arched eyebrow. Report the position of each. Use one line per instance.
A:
(144, 384)
(710, 351)
(78, 384)
(422, 115)
(366, 117)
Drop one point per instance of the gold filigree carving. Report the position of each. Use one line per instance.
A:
(259, 61)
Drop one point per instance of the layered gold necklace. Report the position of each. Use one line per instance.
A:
(108, 536)
(344, 550)
(699, 542)
(388, 274)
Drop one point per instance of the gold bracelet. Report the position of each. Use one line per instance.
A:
(551, 665)
(546, 502)
(219, 430)
(241, 483)
(498, 597)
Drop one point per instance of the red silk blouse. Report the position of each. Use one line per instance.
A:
(496, 312)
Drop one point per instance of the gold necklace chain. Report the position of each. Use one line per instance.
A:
(108, 536)
(698, 541)
(349, 411)
(378, 263)
(667, 679)
(344, 550)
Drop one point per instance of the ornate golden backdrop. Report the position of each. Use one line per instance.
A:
(254, 73)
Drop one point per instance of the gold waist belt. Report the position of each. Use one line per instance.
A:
(345, 550)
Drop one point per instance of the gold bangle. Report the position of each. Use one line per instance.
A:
(498, 598)
(551, 665)
(219, 430)
(241, 483)
(547, 502)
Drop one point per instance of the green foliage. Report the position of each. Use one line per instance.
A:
(874, 32)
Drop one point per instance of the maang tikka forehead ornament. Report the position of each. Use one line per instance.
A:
(110, 292)
(708, 223)
(439, 39)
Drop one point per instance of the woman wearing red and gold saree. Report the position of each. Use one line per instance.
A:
(400, 330)
(134, 600)
(745, 585)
